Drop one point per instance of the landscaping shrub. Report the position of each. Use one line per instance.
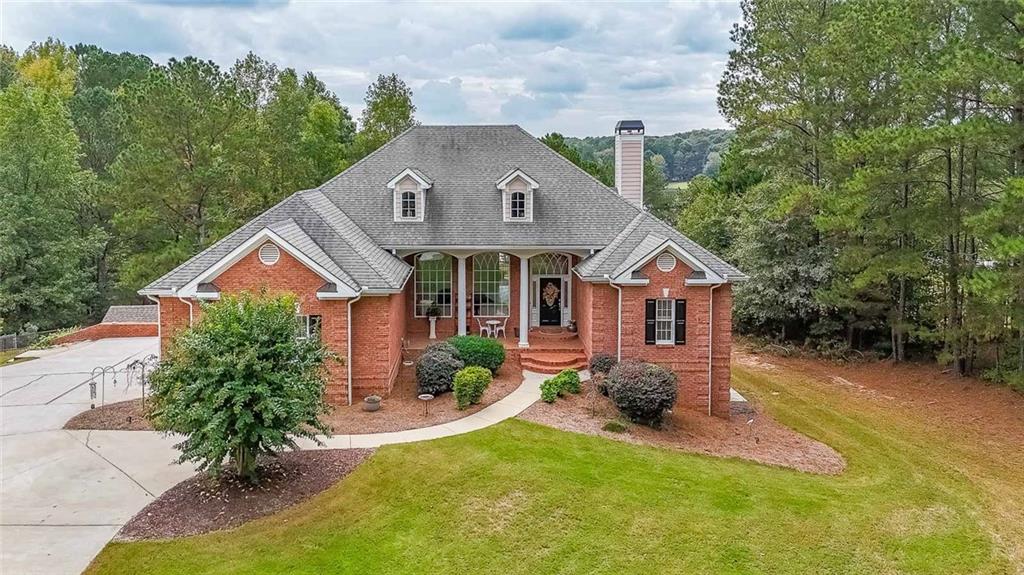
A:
(49, 339)
(481, 351)
(238, 384)
(602, 362)
(469, 385)
(642, 391)
(567, 381)
(442, 347)
(435, 372)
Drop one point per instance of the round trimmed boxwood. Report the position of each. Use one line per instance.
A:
(435, 372)
(482, 351)
(642, 391)
(602, 362)
(442, 347)
(470, 384)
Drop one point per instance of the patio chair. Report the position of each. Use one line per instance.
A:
(485, 330)
(500, 328)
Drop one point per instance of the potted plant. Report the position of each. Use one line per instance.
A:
(371, 403)
(433, 311)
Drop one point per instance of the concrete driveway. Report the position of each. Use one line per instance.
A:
(64, 494)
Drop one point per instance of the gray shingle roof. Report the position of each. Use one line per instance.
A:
(349, 220)
(130, 314)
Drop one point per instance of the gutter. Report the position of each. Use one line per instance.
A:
(618, 335)
(348, 341)
(711, 339)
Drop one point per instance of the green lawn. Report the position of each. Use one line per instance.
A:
(678, 185)
(522, 498)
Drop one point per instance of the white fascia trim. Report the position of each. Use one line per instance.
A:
(264, 235)
(207, 296)
(410, 173)
(680, 253)
(504, 181)
(155, 292)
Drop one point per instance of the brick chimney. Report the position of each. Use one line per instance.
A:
(629, 160)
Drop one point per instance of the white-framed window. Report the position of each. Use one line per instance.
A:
(433, 283)
(518, 206)
(409, 205)
(665, 321)
(491, 284)
(308, 326)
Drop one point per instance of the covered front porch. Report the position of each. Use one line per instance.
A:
(520, 291)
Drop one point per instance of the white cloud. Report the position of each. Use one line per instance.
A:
(539, 65)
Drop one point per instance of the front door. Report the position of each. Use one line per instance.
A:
(550, 301)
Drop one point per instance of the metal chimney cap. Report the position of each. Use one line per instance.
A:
(629, 127)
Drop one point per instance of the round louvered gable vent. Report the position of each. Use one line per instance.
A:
(269, 254)
(666, 262)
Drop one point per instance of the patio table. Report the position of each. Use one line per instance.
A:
(493, 323)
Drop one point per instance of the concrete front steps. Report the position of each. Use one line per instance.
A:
(552, 351)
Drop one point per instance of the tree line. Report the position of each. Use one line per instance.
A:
(874, 190)
(681, 156)
(114, 169)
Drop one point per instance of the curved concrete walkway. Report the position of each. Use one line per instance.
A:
(64, 494)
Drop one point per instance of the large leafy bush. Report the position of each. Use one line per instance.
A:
(602, 362)
(435, 371)
(642, 391)
(238, 384)
(482, 351)
(470, 384)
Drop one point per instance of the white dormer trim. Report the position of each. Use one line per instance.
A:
(257, 240)
(516, 173)
(423, 183)
(686, 257)
(400, 185)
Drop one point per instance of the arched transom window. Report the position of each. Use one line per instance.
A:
(490, 284)
(433, 283)
(549, 264)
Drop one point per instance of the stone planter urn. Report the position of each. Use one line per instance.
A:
(371, 403)
(432, 313)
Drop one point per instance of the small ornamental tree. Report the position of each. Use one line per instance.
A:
(239, 384)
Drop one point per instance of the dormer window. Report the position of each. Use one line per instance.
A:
(517, 191)
(408, 205)
(518, 206)
(409, 189)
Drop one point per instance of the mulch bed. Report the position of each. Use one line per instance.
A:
(398, 412)
(402, 410)
(203, 503)
(747, 434)
(120, 416)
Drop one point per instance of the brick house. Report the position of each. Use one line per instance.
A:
(478, 224)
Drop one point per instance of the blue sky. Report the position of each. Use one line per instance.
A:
(574, 68)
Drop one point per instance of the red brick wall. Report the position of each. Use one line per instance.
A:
(689, 361)
(377, 333)
(106, 330)
(173, 318)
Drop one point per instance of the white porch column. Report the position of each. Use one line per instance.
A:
(462, 295)
(524, 301)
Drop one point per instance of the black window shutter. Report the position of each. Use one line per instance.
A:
(680, 321)
(649, 323)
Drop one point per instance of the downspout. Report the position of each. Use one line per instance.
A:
(159, 322)
(711, 339)
(618, 335)
(348, 341)
(189, 304)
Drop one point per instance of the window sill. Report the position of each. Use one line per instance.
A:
(664, 345)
